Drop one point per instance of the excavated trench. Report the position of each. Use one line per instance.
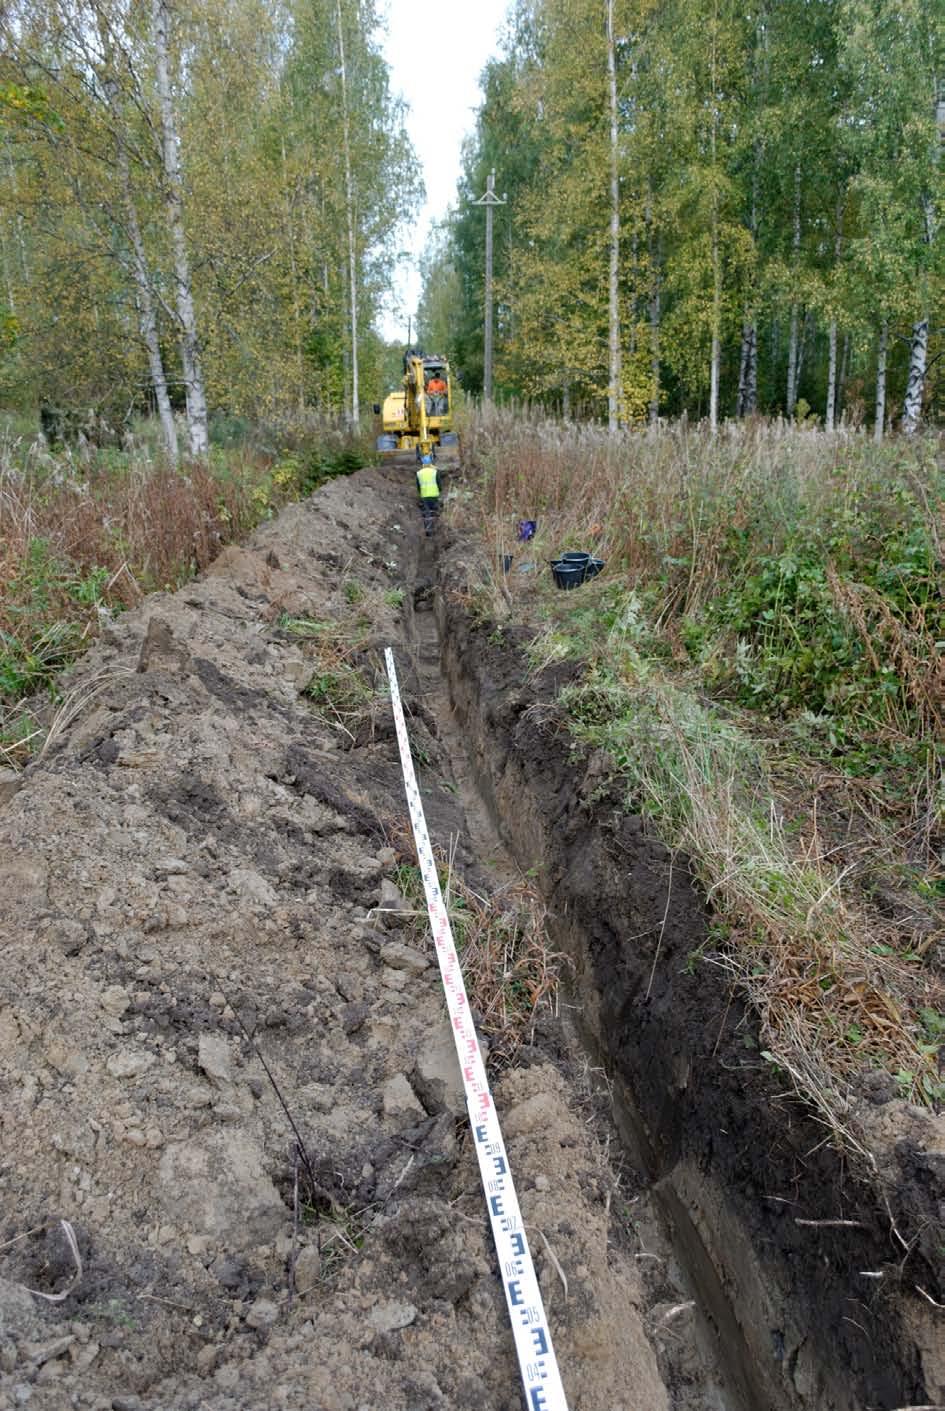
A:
(199, 855)
(810, 1279)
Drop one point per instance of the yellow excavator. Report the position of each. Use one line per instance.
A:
(419, 417)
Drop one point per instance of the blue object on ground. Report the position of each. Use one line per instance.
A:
(526, 530)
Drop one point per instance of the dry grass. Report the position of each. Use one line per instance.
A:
(840, 987)
(85, 534)
(338, 689)
(666, 503)
(510, 971)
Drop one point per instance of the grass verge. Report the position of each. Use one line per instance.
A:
(763, 671)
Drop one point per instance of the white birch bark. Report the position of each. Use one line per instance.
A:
(915, 385)
(614, 397)
(830, 415)
(919, 343)
(792, 339)
(146, 313)
(879, 425)
(831, 411)
(174, 207)
(355, 411)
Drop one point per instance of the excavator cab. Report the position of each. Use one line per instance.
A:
(419, 417)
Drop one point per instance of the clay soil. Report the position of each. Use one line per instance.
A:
(198, 907)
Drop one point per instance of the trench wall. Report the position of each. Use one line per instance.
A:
(737, 1159)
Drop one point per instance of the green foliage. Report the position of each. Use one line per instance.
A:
(261, 126)
(838, 630)
(32, 661)
(781, 190)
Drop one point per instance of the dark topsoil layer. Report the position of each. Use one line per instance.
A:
(826, 1263)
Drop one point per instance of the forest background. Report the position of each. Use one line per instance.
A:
(200, 208)
(713, 207)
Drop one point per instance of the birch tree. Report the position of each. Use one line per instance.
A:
(174, 207)
(898, 51)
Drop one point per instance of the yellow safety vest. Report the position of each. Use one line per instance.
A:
(426, 480)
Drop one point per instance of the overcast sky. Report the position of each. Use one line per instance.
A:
(436, 54)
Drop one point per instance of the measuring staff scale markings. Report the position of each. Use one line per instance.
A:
(541, 1378)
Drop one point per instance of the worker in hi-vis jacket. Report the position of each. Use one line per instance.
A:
(428, 487)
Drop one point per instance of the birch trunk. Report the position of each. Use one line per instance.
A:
(614, 398)
(748, 370)
(915, 386)
(146, 314)
(792, 340)
(653, 254)
(879, 425)
(830, 413)
(174, 206)
(355, 412)
(791, 399)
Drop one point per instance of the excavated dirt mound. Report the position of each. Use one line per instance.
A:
(190, 884)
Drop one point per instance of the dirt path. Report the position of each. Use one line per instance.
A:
(199, 856)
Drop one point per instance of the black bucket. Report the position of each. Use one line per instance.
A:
(506, 562)
(572, 556)
(592, 568)
(568, 575)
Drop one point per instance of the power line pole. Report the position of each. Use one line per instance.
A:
(490, 200)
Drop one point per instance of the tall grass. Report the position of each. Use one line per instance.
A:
(675, 504)
(86, 533)
(764, 670)
(803, 573)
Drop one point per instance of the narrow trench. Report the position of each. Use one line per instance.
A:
(727, 1376)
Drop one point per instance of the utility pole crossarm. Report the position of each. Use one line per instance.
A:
(490, 200)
